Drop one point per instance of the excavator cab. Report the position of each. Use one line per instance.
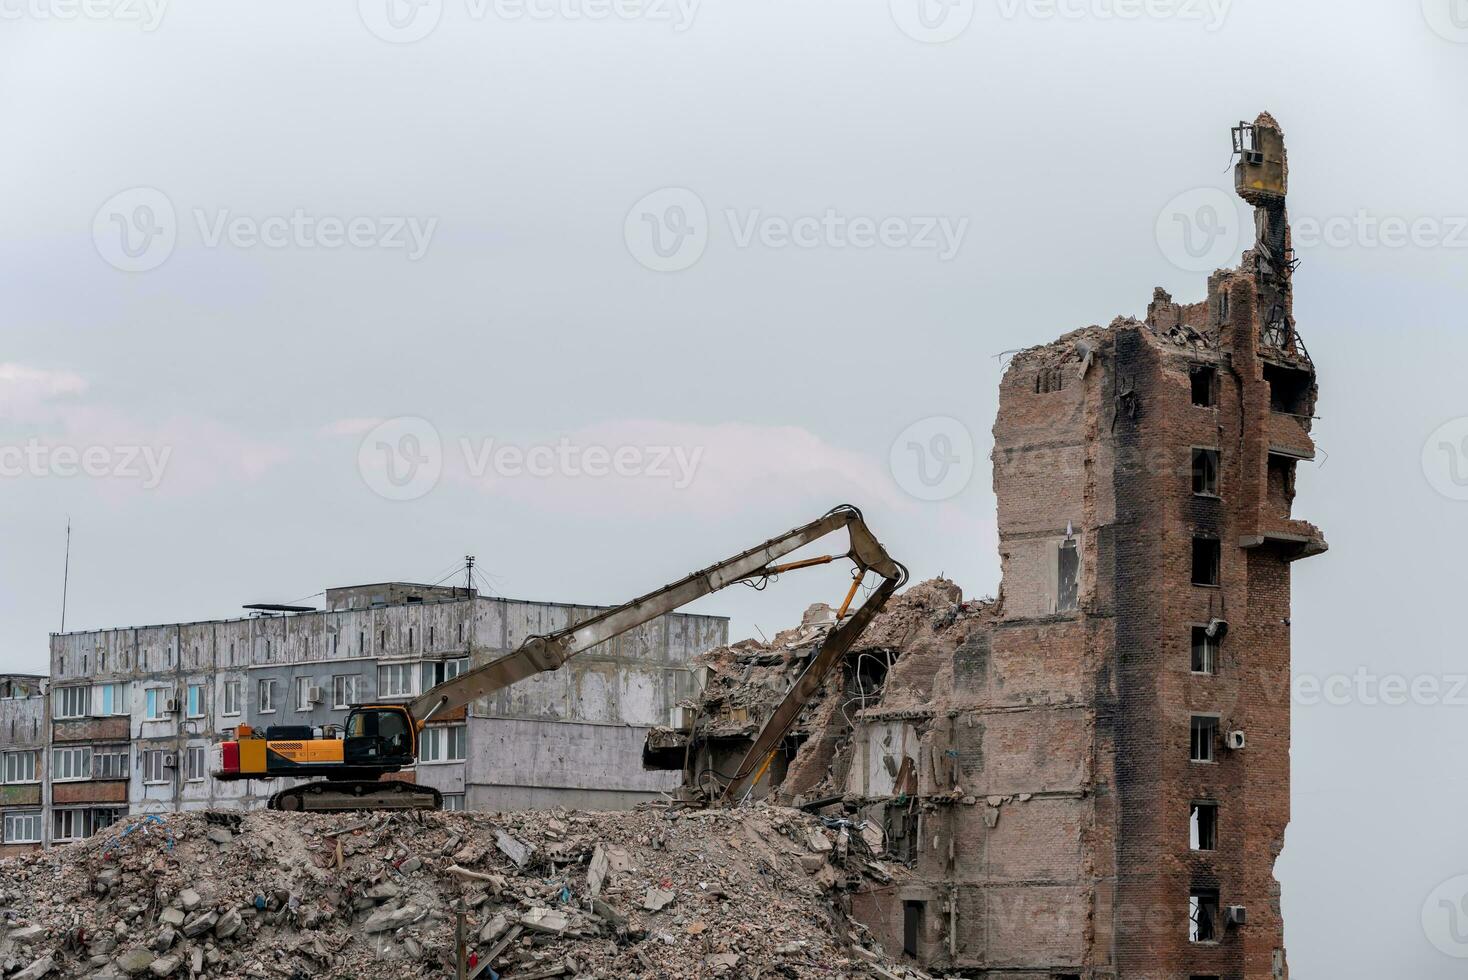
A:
(380, 736)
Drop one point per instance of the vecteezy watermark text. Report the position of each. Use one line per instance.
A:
(138, 229)
(407, 21)
(301, 229)
(147, 14)
(1365, 229)
(1210, 13)
(1205, 228)
(675, 464)
(831, 229)
(670, 229)
(404, 458)
(1369, 689)
(34, 458)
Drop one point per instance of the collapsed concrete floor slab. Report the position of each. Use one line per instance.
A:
(1087, 776)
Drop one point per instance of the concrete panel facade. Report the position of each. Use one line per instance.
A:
(137, 710)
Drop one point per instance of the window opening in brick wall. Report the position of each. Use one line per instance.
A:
(1049, 379)
(1204, 379)
(1205, 651)
(912, 926)
(1203, 827)
(1204, 732)
(1207, 555)
(1289, 390)
(1203, 915)
(1068, 588)
(1205, 472)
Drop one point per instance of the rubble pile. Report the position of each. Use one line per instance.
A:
(744, 681)
(658, 893)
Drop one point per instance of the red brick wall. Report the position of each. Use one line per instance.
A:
(1070, 731)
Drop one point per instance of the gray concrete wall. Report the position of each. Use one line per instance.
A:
(23, 728)
(571, 738)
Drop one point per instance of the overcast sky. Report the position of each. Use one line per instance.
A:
(324, 294)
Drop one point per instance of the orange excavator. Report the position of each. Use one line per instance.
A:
(380, 739)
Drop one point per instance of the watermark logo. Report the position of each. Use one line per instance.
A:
(144, 465)
(136, 230)
(1200, 230)
(405, 458)
(147, 14)
(832, 229)
(1448, 19)
(1445, 459)
(932, 21)
(933, 459)
(668, 230)
(1365, 229)
(407, 21)
(1445, 917)
(402, 458)
(675, 465)
(1210, 13)
(401, 21)
(1371, 690)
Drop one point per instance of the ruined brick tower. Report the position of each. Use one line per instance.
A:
(1087, 777)
(1145, 476)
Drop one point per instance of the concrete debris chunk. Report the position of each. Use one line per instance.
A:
(387, 919)
(40, 968)
(494, 929)
(199, 924)
(135, 961)
(540, 919)
(383, 890)
(596, 872)
(228, 924)
(657, 899)
(26, 934)
(516, 851)
(164, 966)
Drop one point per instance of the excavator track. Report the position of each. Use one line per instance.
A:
(362, 794)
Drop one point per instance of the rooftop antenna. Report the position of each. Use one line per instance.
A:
(66, 573)
(468, 575)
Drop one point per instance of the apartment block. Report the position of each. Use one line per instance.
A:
(24, 730)
(129, 717)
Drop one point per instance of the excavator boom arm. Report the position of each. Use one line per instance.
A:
(539, 654)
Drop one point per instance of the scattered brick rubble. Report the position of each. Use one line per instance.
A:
(657, 893)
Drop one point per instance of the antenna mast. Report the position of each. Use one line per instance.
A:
(66, 573)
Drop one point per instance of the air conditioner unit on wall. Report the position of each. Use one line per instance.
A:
(313, 695)
(1236, 915)
(1235, 741)
(170, 761)
(170, 706)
